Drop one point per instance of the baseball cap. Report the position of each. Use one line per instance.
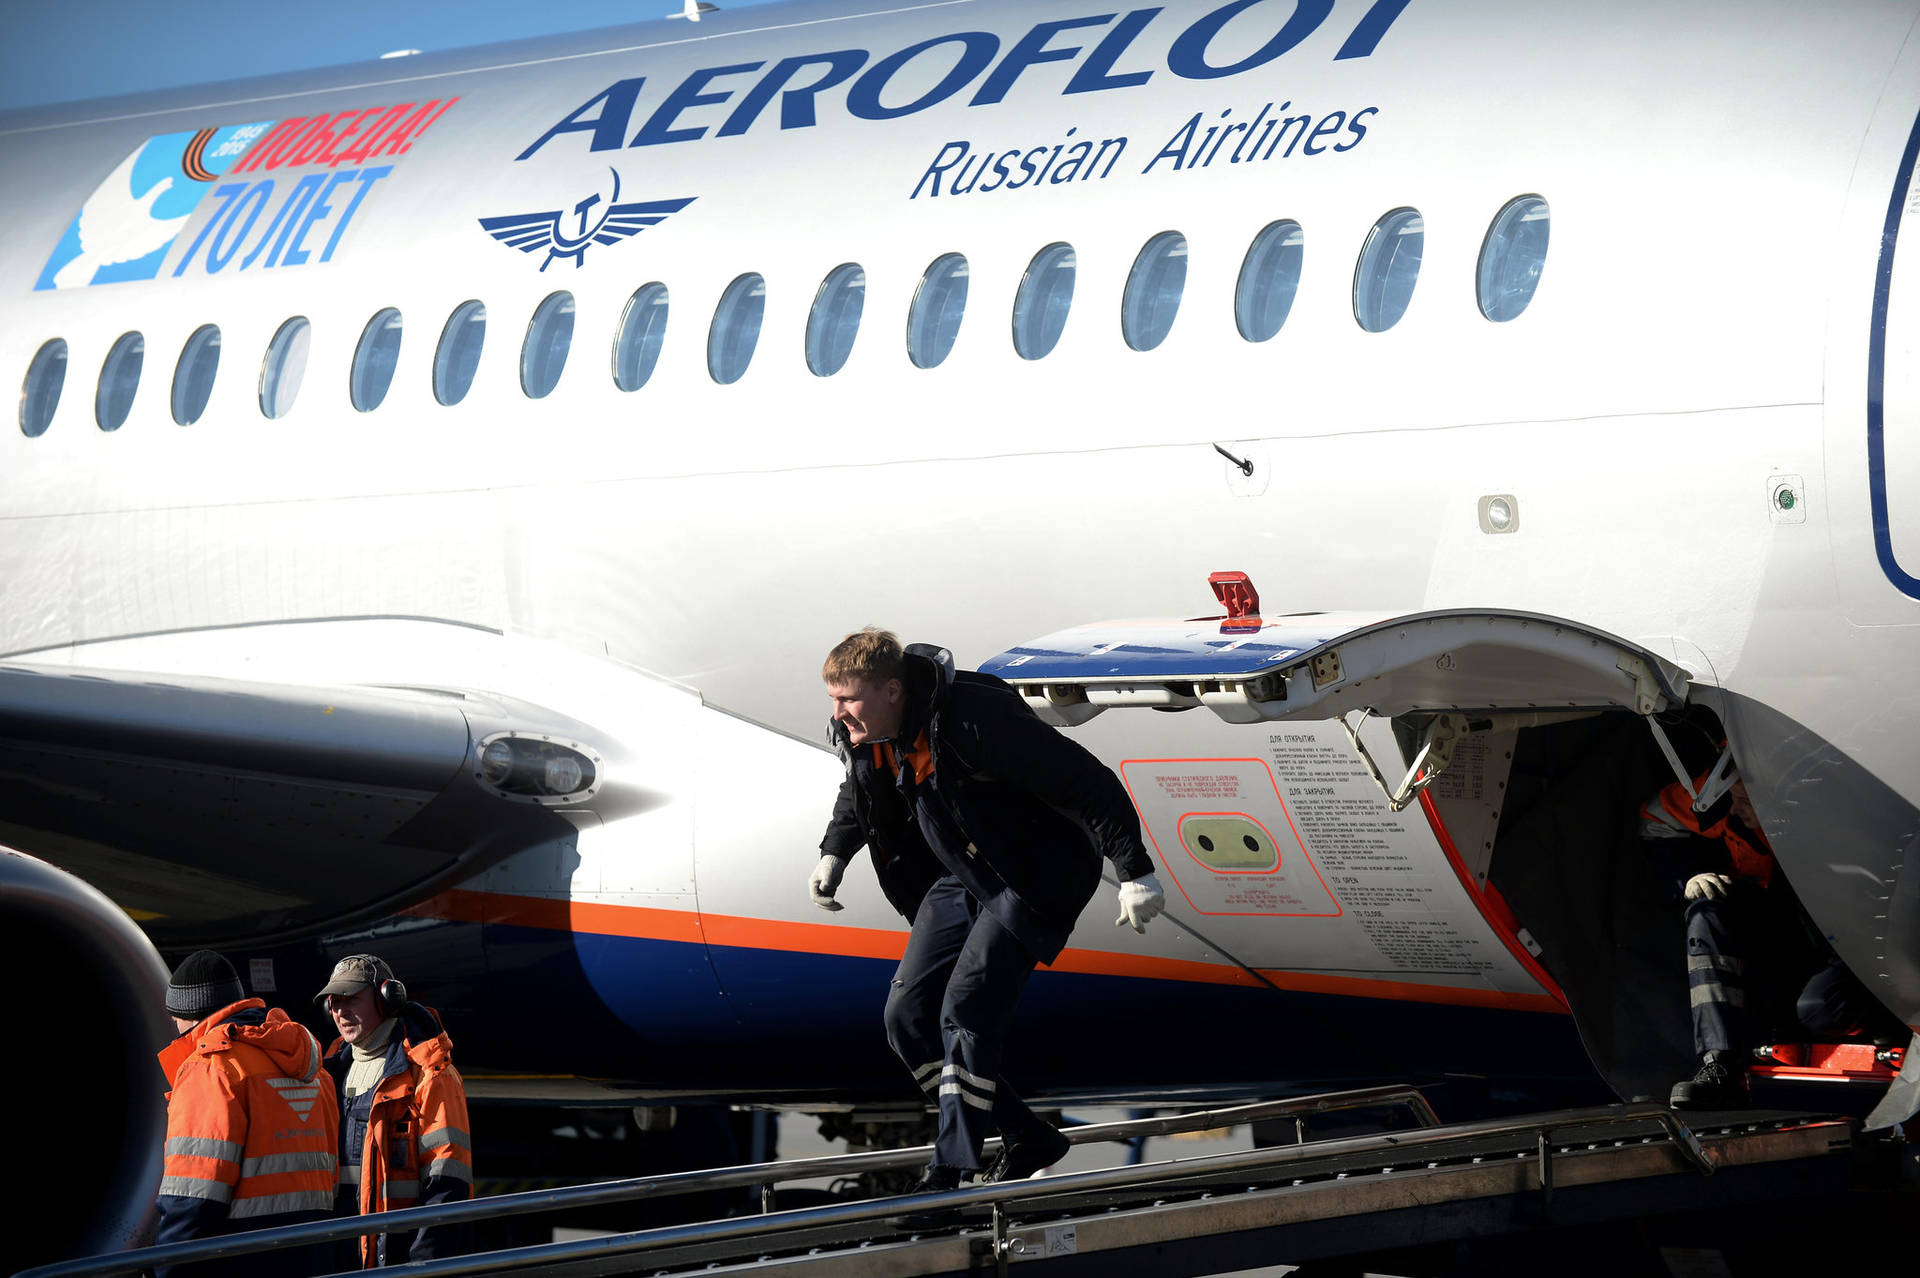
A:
(354, 973)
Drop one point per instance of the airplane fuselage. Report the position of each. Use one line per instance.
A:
(1700, 423)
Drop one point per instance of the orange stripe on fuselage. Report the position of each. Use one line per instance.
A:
(804, 938)
(648, 923)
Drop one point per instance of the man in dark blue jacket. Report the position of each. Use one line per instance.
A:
(987, 828)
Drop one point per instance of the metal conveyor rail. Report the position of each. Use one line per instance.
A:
(763, 1175)
(843, 1234)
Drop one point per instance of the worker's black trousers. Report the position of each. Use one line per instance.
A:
(1716, 976)
(947, 1017)
(1832, 1004)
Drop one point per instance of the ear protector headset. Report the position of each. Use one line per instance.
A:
(390, 995)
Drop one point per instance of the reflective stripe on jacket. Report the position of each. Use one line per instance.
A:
(1670, 814)
(252, 1126)
(418, 1150)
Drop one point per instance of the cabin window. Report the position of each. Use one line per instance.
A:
(119, 379)
(373, 360)
(1154, 288)
(543, 356)
(1046, 295)
(1269, 277)
(457, 357)
(1389, 268)
(939, 304)
(835, 320)
(1041, 306)
(643, 327)
(736, 328)
(284, 367)
(193, 375)
(1512, 258)
(40, 393)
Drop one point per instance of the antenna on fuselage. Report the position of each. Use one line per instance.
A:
(693, 10)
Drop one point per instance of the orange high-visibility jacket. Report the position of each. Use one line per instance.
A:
(1670, 813)
(253, 1128)
(418, 1149)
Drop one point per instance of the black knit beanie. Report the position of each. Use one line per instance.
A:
(202, 985)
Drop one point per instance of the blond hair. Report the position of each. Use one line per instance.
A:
(869, 655)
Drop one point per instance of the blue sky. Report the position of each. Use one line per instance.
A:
(66, 50)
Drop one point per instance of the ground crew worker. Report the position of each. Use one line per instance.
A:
(251, 1125)
(1718, 862)
(986, 828)
(404, 1137)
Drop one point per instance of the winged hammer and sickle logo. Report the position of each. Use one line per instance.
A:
(570, 232)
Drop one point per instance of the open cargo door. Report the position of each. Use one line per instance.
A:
(1434, 715)
(1326, 665)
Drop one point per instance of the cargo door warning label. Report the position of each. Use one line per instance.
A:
(1224, 838)
(1383, 866)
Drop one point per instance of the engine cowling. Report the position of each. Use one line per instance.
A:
(90, 991)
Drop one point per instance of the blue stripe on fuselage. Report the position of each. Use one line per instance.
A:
(758, 1021)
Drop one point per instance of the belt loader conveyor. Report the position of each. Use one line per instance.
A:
(1283, 1204)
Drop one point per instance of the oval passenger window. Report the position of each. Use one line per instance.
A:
(119, 379)
(193, 375)
(643, 327)
(1269, 278)
(1046, 296)
(1389, 268)
(1154, 287)
(939, 304)
(284, 367)
(457, 357)
(835, 320)
(543, 356)
(40, 392)
(373, 360)
(1512, 257)
(736, 329)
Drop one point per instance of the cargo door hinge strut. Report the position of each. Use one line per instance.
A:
(1720, 777)
(1429, 761)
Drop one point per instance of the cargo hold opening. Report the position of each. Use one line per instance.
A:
(1546, 820)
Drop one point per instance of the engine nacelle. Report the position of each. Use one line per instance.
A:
(88, 991)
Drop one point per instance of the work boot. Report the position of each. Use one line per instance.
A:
(1719, 1083)
(1021, 1158)
(936, 1179)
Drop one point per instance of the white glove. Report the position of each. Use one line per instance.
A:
(1709, 887)
(1140, 902)
(826, 881)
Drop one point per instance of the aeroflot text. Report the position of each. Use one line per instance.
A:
(1190, 147)
(923, 75)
